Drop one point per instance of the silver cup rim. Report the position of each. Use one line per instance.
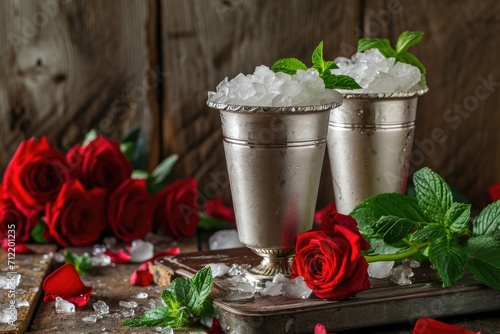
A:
(267, 109)
(391, 95)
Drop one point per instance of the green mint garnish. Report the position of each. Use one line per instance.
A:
(405, 40)
(332, 81)
(431, 225)
(185, 302)
(82, 263)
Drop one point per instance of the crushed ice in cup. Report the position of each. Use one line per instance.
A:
(63, 306)
(296, 288)
(128, 304)
(218, 269)
(10, 281)
(101, 307)
(90, 319)
(401, 275)
(101, 260)
(377, 74)
(141, 251)
(380, 269)
(224, 239)
(268, 89)
(141, 295)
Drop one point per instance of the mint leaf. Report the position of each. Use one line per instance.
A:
(317, 58)
(202, 282)
(378, 246)
(91, 135)
(430, 232)
(382, 44)
(37, 232)
(288, 65)
(82, 264)
(457, 217)
(408, 58)
(433, 194)
(488, 221)
(170, 299)
(449, 259)
(207, 311)
(483, 260)
(159, 316)
(127, 148)
(186, 294)
(407, 39)
(339, 81)
(393, 229)
(161, 171)
(209, 223)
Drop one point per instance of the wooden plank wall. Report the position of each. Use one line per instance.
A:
(93, 63)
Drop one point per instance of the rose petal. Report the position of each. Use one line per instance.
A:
(141, 278)
(494, 192)
(432, 326)
(215, 328)
(330, 208)
(118, 257)
(319, 329)
(18, 248)
(66, 283)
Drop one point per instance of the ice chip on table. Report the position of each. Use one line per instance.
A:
(128, 304)
(141, 251)
(218, 269)
(401, 275)
(380, 269)
(411, 263)
(22, 303)
(59, 258)
(10, 281)
(7, 314)
(90, 319)
(99, 249)
(237, 269)
(141, 295)
(101, 307)
(296, 288)
(272, 289)
(377, 74)
(128, 313)
(280, 278)
(246, 287)
(63, 306)
(269, 89)
(164, 330)
(224, 239)
(101, 260)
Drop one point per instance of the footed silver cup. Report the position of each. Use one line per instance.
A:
(274, 158)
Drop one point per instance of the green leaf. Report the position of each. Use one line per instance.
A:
(317, 58)
(159, 316)
(488, 221)
(378, 246)
(161, 171)
(449, 259)
(483, 260)
(382, 44)
(137, 137)
(140, 174)
(457, 217)
(430, 232)
(330, 65)
(211, 223)
(127, 149)
(407, 39)
(207, 311)
(393, 229)
(408, 58)
(91, 135)
(170, 299)
(333, 81)
(288, 65)
(202, 282)
(433, 194)
(37, 232)
(186, 294)
(82, 264)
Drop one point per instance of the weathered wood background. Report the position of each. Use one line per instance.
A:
(68, 66)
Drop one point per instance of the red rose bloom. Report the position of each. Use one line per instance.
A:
(215, 208)
(35, 175)
(77, 215)
(177, 208)
(130, 210)
(100, 163)
(330, 258)
(11, 218)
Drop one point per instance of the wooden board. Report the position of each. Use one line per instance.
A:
(384, 303)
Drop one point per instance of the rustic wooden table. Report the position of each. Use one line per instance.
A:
(111, 284)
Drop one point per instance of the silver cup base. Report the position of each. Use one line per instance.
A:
(274, 261)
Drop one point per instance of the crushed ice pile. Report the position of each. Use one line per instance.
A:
(269, 89)
(378, 74)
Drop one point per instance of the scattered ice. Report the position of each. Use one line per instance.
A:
(101, 307)
(99, 249)
(237, 269)
(141, 295)
(128, 313)
(218, 269)
(280, 278)
(271, 289)
(8, 314)
(381, 269)
(109, 241)
(63, 306)
(90, 319)
(401, 275)
(164, 330)
(58, 257)
(22, 303)
(411, 263)
(128, 304)
(239, 296)
(266, 88)
(101, 260)
(247, 287)
(296, 288)
(224, 239)
(141, 251)
(9, 281)
(377, 74)
(34, 289)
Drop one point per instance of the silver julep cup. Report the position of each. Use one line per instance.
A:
(274, 157)
(369, 145)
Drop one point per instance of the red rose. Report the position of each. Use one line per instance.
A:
(12, 219)
(494, 192)
(130, 210)
(329, 209)
(177, 208)
(100, 163)
(330, 258)
(35, 175)
(215, 208)
(77, 215)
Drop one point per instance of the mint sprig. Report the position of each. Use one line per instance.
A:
(185, 302)
(432, 226)
(332, 81)
(82, 263)
(400, 52)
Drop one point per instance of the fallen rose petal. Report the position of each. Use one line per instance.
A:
(169, 252)
(65, 282)
(215, 328)
(118, 257)
(319, 329)
(18, 248)
(141, 278)
(432, 326)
